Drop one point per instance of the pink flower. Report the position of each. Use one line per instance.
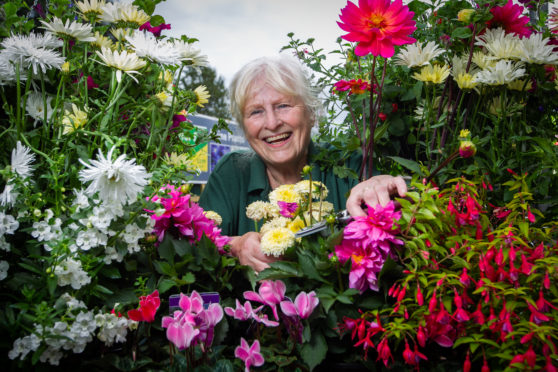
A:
(287, 209)
(179, 332)
(155, 30)
(377, 25)
(303, 306)
(182, 217)
(367, 242)
(355, 86)
(241, 312)
(467, 149)
(271, 293)
(148, 307)
(250, 355)
(509, 18)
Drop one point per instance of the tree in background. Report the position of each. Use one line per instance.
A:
(218, 105)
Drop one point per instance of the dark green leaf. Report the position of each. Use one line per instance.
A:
(314, 352)
(461, 33)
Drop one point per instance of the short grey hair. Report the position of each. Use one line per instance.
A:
(283, 73)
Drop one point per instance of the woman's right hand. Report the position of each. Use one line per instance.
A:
(247, 248)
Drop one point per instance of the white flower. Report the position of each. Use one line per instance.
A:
(91, 6)
(29, 52)
(459, 66)
(81, 200)
(502, 73)
(36, 106)
(70, 272)
(121, 61)
(72, 303)
(8, 196)
(276, 241)
(4, 266)
(318, 189)
(261, 209)
(120, 181)
(482, 60)
(535, 49)
(111, 254)
(22, 346)
(418, 54)
(90, 238)
(123, 12)
(112, 328)
(499, 44)
(74, 29)
(4, 245)
(21, 160)
(189, 55)
(8, 224)
(146, 45)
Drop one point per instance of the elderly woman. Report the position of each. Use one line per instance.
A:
(276, 107)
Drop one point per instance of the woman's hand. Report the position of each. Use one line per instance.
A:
(375, 190)
(247, 249)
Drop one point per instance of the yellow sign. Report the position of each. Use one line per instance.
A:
(200, 159)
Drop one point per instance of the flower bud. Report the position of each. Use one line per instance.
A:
(185, 189)
(65, 67)
(37, 212)
(465, 15)
(467, 149)
(306, 170)
(151, 238)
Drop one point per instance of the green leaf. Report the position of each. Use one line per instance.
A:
(110, 272)
(314, 352)
(52, 282)
(308, 266)
(461, 33)
(164, 268)
(189, 278)
(166, 249)
(165, 284)
(409, 164)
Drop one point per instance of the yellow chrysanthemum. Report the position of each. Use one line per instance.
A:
(284, 193)
(131, 13)
(520, 85)
(482, 60)
(433, 74)
(166, 76)
(303, 188)
(276, 241)
(213, 216)
(202, 95)
(177, 160)
(101, 41)
(296, 224)
(91, 8)
(274, 224)
(465, 81)
(465, 15)
(74, 119)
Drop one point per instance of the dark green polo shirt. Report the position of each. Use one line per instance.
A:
(240, 179)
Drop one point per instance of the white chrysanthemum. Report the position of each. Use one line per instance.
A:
(499, 44)
(120, 181)
(31, 52)
(284, 193)
(110, 12)
(74, 29)
(88, 7)
(459, 66)
(4, 266)
(189, 54)
(131, 13)
(213, 216)
(123, 61)
(70, 272)
(418, 54)
(276, 241)
(146, 45)
(275, 223)
(503, 72)
(259, 210)
(121, 33)
(318, 189)
(35, 106)
(535, 49)
(22, 157)
(482, 60)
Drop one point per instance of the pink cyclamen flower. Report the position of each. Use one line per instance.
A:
(148, 307)
(509, 17)
(303, 306)
(377, 25)
(250, 355)
(271, 293)
(241, 312)
(180, 331)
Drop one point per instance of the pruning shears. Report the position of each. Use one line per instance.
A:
(342, 217)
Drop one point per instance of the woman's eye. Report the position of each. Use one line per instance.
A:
(283, 106)
(255, 112)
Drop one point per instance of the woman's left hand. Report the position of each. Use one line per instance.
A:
(375, 190)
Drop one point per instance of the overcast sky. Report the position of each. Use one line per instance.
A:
(233, 32)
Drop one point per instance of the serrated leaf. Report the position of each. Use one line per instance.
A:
(314, 352)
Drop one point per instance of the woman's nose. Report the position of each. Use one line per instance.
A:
(272, 120)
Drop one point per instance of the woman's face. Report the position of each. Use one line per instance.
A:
(276, 126)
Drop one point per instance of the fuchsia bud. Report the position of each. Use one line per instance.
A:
(401, 294)
(485, 367)
(467, 364)
(546, 281)
(421, 336)
(530, 357)
(530, 216)
(420, 298)
(432, 304)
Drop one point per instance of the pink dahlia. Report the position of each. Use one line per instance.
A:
(184, 218)
(377, 25)
(355, 86)
(509, 18)
(367, 243)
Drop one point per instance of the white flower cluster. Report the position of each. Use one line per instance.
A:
(47, 230)
(61, 336)
(8, 224)
(112, 328)
(4, 266)
(70, 272)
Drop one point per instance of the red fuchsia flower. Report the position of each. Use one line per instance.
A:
(155, 30)
(184, 218)
(377, 25)
(287, 209)
(412, 357)
(509, 17)
(303, 306)
(148, 307)
(271, 293)
(467, 364)
(384, 352)
(353, 86)
(485, 367)
(249, 354)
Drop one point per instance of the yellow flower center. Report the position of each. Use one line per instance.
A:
(376, 21)
(357, 259)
